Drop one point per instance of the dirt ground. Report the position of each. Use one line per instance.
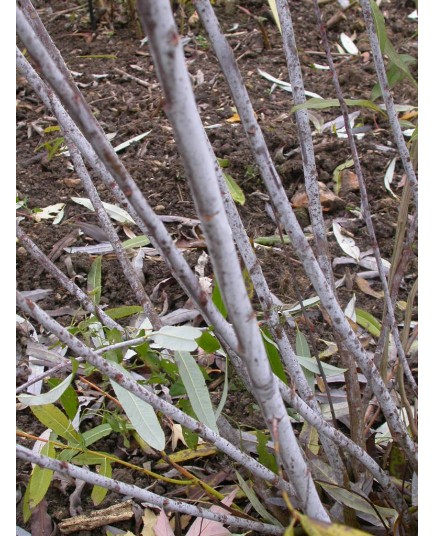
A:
(131, 105)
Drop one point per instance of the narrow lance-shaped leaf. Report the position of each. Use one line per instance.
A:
(197, 391)
(324, 104)
(47, 398)
(385, 44)
(53, 418)
(358, 503)
(388, 177)
(97, 433)
(94, 280)
(224, 393)
(98, 493)
(303, 353)
(40, 479)
(368, 321)
(141, 414)
(235, 191)
(273, 355)
(256, 503)
(272, 4)
(115, 212)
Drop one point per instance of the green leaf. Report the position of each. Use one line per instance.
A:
(337, 174)
(272, 4)
(97, 433)
(224, 393)
(223, 162)
(69, 398)
(124, 311)
(217, 300)
(273, 355)
(41, 478)
(140, 413)
(197, 391)
(89, 458)
(399, 62)
(236, 193)
(380, 25)
(98, 493)
(394, 76)
(94, 280)
(255, 502)
(312, 527)
(26, 507)
(271, 240)
(55, 128)
(311, 364)
(55, 147)
(66, 455)
(47, 398)
(303, 354)
(309, 438)
(180, 338)
(99, 56)
(358, 503)
(264, 456)
(136, 242)
(386, 45)
(321, 104)
(369, 322)
(53, 418)
(301, 345)
(208, 342)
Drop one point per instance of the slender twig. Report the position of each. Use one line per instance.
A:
(49, 372)
(104, 220)
(105, 367)
(71, 287)
(388, 99)
(271, 315)
(305, 138)
(180, 269)
(365, 202)
(289, 221)
(143, 495)
(159, 236)
(180, 107)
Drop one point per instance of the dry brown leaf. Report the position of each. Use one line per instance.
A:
(328, 199)
(349, 181)
(71, 183)
(365, 287)
(234, 119)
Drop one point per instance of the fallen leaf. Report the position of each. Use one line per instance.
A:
(48, 213)
(346, 243)
(365, 287)
(233, 119)
(40, 522)
(177, 435)
(149, 520)
(71, 183)
(349, 181)
(162, 525)
(329, 200)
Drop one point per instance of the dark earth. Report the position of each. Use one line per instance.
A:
(128, 107)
